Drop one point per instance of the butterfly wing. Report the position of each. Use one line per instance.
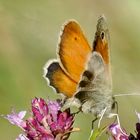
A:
(94, 93)
(58, 79)
(101, 40)
(93, 78)
(73, 50)
(101, 45)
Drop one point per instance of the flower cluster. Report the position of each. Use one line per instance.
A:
(137, 137)
(120, 134)
(117, 132)
(47, 122)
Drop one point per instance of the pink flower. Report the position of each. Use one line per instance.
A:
(48, 122)
(39, 108)
(117, 133)
(16, 118)
(22, 137)
(137, 137)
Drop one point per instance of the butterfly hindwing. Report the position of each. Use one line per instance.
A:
(101, 45)
(93, 91)
(97, 72)
(93, 78)
(59, 80)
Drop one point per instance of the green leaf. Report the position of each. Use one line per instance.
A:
(96, 133)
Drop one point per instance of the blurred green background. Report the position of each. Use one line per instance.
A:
(29, 32)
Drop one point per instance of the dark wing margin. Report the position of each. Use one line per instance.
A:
(57, 79)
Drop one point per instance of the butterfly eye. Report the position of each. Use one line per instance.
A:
(102, 35)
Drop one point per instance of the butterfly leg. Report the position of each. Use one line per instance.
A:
(93, 121)
(72, 102)
(115, 106)
(114, 103)
(99, 117)
(111, 115)
(77, 112)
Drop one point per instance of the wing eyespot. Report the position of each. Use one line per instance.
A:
(102, 35)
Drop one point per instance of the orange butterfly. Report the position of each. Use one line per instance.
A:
(80, 72)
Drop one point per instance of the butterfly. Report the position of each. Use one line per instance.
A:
(82, 73)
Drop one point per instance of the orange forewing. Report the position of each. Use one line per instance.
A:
(103, 48)
(101, 45)
(59, 80)
(73, 50)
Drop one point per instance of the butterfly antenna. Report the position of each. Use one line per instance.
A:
(77, 112)
(129, 94)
